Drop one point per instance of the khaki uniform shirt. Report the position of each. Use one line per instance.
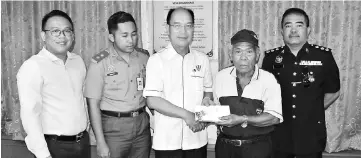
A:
(114, 81)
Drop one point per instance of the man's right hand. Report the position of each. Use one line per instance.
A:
(103, 150)
(194, 125)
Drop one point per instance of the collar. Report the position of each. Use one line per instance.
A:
(170, 53)
(303, 49)
(45, 53)
(113, 53)
(254, 76)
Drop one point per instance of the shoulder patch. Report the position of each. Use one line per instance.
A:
(321, 48)
(100, 56)
(142, 51)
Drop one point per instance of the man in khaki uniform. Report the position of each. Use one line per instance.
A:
(114, 87)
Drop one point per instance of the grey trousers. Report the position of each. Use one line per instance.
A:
(127, 137)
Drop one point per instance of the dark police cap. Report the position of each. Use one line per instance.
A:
(245, 36)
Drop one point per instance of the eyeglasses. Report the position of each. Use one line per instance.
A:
(178, 26)
(57, 32)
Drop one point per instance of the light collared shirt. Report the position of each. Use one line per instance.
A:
(263, 86)
(51, 98)
(181, 81)
(114, 81)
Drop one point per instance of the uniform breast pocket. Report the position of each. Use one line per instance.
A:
(115, 85)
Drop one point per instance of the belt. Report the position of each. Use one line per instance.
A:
(123, 114)
(238, 142)
(73, 138)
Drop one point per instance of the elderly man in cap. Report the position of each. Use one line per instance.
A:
(254, 97)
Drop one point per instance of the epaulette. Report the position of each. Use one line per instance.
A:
(100, 56)
(142, 51)
(273, 50)
(320, 47)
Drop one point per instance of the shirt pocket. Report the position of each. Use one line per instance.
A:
(115, 86)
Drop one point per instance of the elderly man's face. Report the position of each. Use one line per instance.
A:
(183, 36)
(58, 44)
(244, 57)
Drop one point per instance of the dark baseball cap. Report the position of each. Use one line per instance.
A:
(245, 36)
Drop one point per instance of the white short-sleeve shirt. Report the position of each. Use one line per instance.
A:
(181, 81)
(263, 86)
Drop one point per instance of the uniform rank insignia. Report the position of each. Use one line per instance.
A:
(142, 51)
(100, 56)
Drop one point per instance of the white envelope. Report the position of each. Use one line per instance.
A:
(210, 113)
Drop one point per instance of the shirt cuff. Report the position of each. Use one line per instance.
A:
(152, 93)
(208, 89)
(275, 114)
(40, 150)
(87, 95)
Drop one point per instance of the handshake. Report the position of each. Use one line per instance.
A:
(205, 114)
(194, 124)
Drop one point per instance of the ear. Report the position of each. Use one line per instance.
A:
(111, 37)
(230, 54)
(308, 31)
(42, 34)
(281, 31)
(258, 54)
(167, 29)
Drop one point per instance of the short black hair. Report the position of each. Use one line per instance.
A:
(119, 17)
(297, 11)
(170, 12)
(55, 13)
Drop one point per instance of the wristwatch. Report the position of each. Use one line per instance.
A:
(245, 122)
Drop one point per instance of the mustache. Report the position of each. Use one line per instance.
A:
(293, 35)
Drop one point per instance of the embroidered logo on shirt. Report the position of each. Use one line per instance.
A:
(198, 67)
(278, 59)
(311, 63)
(258, 111)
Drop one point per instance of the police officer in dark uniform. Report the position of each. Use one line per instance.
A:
(309, 79)
(254, 97)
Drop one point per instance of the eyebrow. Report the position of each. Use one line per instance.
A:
(59, 28)
(237, 48)
(298, 22)
(128, 32)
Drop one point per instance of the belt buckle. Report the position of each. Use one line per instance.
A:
(134, 114)
(237, 142)
(79, 136)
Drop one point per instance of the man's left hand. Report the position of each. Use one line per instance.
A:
(230, 120)
(207, 101)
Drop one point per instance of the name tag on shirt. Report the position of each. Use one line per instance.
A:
(112, 74)
(310, 63)
(140, 83)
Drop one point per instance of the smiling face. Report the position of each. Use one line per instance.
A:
(183, 36)
(244, 57)
(294, 30)
(125, 37)
(62, 43)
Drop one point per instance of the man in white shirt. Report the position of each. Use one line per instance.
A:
(254, 98)
(50, 85)
(178, 78)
